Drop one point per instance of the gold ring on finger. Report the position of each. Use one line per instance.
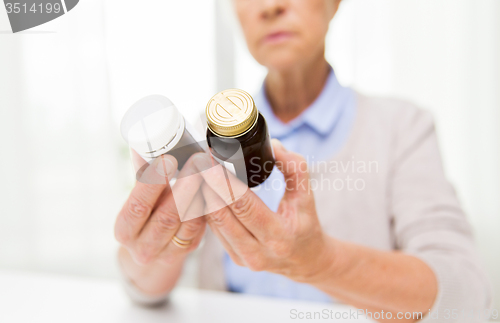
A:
(181, 243)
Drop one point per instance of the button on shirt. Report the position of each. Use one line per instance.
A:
(317, 134)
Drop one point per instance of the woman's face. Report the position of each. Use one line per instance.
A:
(283, 33)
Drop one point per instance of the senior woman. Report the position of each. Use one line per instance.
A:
(374, 224)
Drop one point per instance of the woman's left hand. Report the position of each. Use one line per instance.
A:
(289, 242)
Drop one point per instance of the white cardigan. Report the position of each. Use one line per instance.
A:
(402, 201)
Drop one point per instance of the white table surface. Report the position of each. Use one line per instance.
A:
(39, 298)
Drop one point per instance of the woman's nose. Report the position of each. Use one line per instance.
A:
(273, 8)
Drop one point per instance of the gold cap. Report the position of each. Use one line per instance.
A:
(231, 112)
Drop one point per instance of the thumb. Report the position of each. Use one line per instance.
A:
(294, 169)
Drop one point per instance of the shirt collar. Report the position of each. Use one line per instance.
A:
(321, 116)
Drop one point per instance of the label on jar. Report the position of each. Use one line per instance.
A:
(229, 166)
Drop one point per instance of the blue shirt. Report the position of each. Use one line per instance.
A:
(317, 134)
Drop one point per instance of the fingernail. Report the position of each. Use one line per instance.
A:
(203, 162)
(278, 144)
(164, 166)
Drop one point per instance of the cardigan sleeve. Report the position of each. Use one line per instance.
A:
(430, 224)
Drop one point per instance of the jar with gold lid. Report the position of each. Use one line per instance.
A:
(235, 125)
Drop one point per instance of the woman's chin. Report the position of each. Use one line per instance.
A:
(281, 62)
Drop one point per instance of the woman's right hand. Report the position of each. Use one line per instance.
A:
(150, 219)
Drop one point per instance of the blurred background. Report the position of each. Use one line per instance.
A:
(65, 85)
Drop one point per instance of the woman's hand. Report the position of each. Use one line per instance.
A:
(150, 219)
(289, 242)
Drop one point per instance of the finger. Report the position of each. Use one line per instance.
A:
(191, 231)
(229, 249)
(215, 204)
(185, 188)
(225, 184)
(195, 209)
(224, 223)
(248, 209)
(141, 201)
(138, 162)
(166, 217)
(160, 176)
(294, 169)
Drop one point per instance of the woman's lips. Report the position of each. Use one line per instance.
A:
(277, 37)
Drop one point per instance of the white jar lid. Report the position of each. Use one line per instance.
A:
(151, 124)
